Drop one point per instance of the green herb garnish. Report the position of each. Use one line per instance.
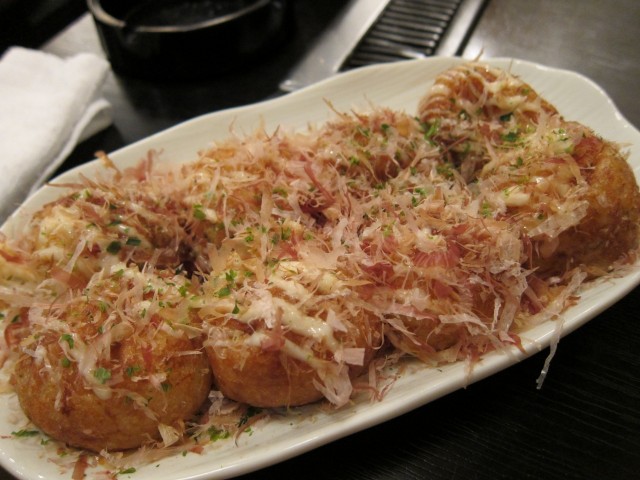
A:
(114, 247)
(65, 337)
(25, 433)
(198, 212)
(102, 374)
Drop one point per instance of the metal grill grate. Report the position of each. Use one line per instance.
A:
(378, 31)
(405, 29)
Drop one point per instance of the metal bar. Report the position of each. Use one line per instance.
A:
(327, 55)
(455, 38)
(435, 27)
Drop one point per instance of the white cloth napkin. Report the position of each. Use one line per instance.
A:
(47, 105)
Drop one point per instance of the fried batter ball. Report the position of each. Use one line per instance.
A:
(116, 367)
(290, 338)
(472, 104)
(260, 377)
(573, 193)
(610, 228)
(283, 369)
(101, 223)
(68, 409)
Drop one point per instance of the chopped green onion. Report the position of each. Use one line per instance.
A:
(198, 212)
(65, 337)
(102, 374)
(133, 241)
(114, 247)
(25, 433)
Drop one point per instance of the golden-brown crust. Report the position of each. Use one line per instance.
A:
(62, 404)
(611, 227)
(262, 378)
(266, 376)
(462, 107)
(499, 131)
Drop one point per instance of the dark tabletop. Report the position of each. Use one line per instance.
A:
(585, 421)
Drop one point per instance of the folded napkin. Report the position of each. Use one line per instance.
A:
(47, 105)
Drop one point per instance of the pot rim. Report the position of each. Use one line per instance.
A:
(95, 6)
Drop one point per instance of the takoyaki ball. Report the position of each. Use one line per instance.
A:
(456, 291)
(372, 147)
(119, 366)
(129, 414)
(102, 224)
(289, 339)
(266, 368)
(472, 105)
(610, 228)
(573, 194)
(261, 377)
(432, 341)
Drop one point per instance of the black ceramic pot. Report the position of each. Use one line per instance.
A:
(187, 39)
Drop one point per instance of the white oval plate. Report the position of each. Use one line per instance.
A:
(396, 85)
